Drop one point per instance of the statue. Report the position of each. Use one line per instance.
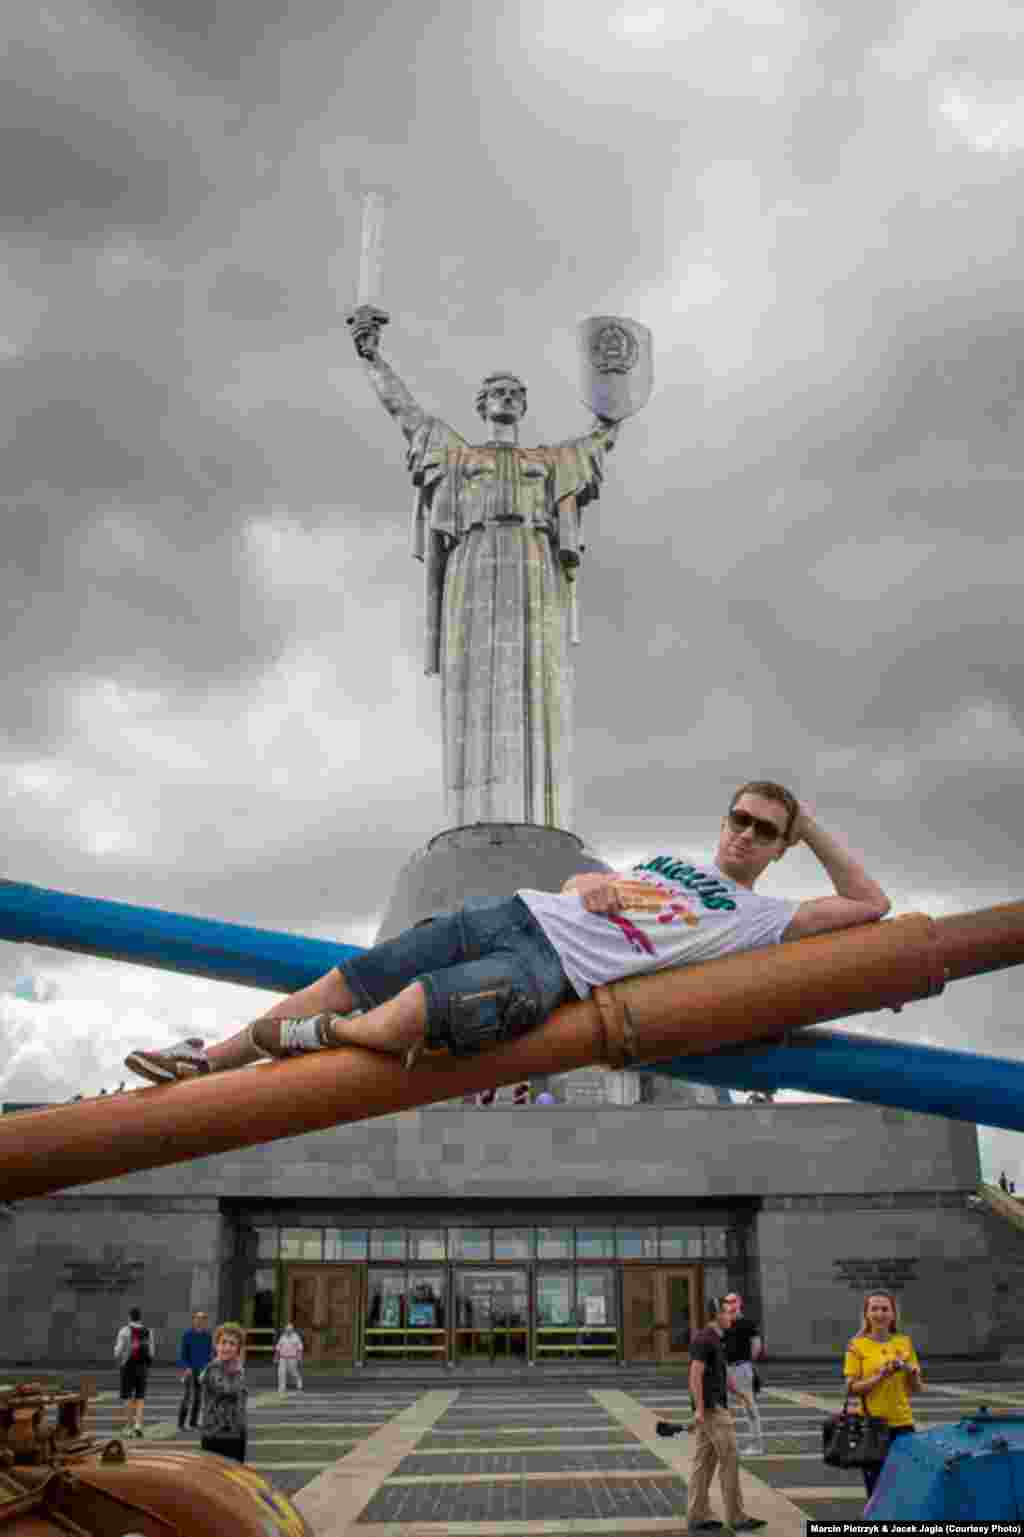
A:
(497, 527)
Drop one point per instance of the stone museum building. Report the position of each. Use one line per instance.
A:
(589, 1230)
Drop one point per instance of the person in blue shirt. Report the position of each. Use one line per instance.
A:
(194, 1356)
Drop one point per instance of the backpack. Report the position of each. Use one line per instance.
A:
(141, 1350)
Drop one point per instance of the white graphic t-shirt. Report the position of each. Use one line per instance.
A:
(673, 914)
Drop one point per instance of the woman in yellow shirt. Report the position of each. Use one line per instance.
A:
(882, 1370)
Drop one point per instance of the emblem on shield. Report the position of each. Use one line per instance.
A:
(616, 365)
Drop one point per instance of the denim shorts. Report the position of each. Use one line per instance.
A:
(489, 942)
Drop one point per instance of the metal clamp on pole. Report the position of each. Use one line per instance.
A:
(620, 1048)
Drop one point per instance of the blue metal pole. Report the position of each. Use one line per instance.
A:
(962, 1085)
(148, 936)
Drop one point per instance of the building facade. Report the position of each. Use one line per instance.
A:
(516, 1235)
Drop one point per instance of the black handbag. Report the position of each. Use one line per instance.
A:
(851, 1440)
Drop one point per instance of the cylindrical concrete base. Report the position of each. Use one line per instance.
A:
(486, 859)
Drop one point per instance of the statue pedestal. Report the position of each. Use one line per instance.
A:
(485, 859)
(496, 859)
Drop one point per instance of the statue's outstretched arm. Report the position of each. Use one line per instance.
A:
(394, 396)
(365, 322)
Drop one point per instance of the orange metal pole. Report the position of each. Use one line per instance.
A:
(755, 996)
(988, 940)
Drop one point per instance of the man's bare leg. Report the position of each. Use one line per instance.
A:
(392, 1027)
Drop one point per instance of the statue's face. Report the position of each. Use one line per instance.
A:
(506, 402)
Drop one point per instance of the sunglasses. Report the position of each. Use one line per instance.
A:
(764, 832)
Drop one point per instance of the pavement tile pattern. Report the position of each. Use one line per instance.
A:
(383, 1458)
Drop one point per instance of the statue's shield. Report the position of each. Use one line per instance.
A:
(616, 365)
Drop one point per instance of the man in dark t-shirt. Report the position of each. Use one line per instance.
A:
(743, 1347)
(708, 1345)
(715, 1433)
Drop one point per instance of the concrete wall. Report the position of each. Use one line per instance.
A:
(75, 1267)
(816, 1266)
(565, 1151)
(839, 1185)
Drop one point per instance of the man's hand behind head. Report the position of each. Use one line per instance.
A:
(798, 831)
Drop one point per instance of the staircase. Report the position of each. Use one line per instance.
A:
(1004, 1216)
(1008, 1206)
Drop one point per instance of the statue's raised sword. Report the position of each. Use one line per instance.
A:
(367, 317)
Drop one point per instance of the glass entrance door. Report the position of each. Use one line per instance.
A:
(492, 1314)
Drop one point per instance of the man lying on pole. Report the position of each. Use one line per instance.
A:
(470, 980)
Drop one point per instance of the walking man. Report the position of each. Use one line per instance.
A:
(493, 970)
(715, 1430)
(195, 1354)
(134, 1349)
(743, 1346)
(288, 1354)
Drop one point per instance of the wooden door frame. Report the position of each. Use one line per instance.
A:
(662, 1275)
(328, 1267)
(658, 1271)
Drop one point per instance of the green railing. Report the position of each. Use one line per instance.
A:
(381, 1348)
(575, 1339)
(608, 1347)
(254, 1347)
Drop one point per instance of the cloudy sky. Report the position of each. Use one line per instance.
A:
(809, 545)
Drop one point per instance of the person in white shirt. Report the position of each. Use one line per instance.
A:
(288, 1354)
(469, 980)
(744, 1346)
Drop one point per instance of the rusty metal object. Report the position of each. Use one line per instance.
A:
(757, 996)
(59, 1478)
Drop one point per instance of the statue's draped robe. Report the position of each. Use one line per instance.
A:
(490, 524)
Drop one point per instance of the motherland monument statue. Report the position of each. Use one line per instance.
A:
(498, 527)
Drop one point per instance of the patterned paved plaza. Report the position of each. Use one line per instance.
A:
(507, 1459)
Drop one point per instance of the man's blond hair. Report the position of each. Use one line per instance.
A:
(771, 792)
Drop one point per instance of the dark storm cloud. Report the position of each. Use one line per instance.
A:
(307, 888)
(951, 375)
(124, 510)
(81, 426)
(221, 42)
(71, 174)
(824, 105)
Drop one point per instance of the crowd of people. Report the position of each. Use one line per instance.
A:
(880, 1365)
(214, 1391)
